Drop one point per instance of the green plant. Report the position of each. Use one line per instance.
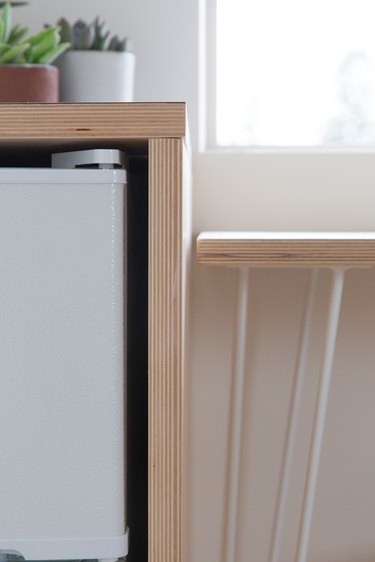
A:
(42, 48)
(92, 36)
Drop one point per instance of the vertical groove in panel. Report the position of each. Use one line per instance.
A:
(165, 349)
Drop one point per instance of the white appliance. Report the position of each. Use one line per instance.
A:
(62, 418)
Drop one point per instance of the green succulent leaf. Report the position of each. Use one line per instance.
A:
(50, 41)
(13, 53)
(42, 48)
(52, 54)
(66, 31)
(7, 21)
(120, 45)
(17, 33)
(94, 36)
(2, 27)
(103, 42)
(39, 37)
(83, 36)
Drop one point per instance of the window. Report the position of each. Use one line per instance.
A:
(292, 72)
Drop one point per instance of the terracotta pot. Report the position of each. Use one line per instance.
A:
(29, 83)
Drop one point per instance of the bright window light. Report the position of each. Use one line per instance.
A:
(295, 72)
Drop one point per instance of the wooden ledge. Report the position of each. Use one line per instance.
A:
(286, 249)
(80, 121)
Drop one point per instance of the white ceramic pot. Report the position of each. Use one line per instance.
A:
(96, 76)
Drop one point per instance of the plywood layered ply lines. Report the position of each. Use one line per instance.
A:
(83, 120)
(165, 347)
(287, 249)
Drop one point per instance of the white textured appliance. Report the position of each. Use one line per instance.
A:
(62, 465)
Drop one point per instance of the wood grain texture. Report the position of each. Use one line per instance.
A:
(83, 121)
(166, 342)
(294, 249)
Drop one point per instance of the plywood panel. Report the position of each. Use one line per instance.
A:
(166, 303)
(283, 249)
(88, 121)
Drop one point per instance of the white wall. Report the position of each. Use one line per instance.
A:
(259, 191)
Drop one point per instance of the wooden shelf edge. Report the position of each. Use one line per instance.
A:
(286, 249)
(106, 121)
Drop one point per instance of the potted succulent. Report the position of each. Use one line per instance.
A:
(26, 72)
(97, 67)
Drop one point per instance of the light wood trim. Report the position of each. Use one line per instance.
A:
(283, 249)
(103, 121)
(166, 342)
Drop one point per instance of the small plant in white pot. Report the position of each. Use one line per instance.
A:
(97, 67)
(26, 72)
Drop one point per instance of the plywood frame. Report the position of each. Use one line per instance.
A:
(165, 343)
(158, 130)
(286, 249)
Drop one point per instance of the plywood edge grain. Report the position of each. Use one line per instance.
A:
(107, 121)
(166, 366)
(286, 249)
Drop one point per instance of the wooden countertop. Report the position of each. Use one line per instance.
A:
(60, 124)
